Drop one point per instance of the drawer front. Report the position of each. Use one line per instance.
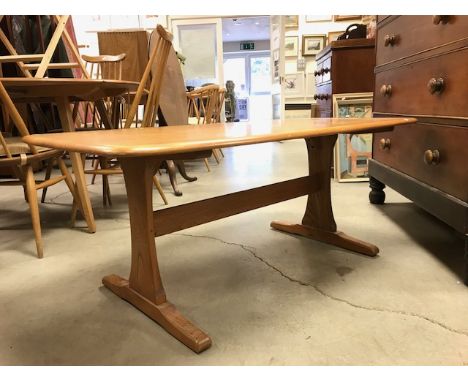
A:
(434, 154)
(407, 35)
(323, 72)
(323, 96)
(434, 87)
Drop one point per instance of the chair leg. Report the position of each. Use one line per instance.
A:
(221, 151)
(206, 164)
(216, 156)
(50, 164)
(159, 188)
(95, 164)
(34, 209)
(68, 180)
(106, 198)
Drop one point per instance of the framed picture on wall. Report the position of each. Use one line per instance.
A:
(312, 44)
(345, 17)
(352, 151)
(291, 46)
(294, 85)
(333, 36)
(317, 18)
(291, 21)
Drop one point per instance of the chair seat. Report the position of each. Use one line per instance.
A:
(16, 146)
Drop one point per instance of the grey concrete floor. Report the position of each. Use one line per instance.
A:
(264, 297)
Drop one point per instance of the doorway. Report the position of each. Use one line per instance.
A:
(250, 69)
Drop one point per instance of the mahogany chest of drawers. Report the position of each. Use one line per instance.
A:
(344, 66)
(422, 71)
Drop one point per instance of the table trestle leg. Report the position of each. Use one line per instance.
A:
(144, 288)
(318, 222)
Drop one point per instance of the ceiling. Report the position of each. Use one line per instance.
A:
(246, 28)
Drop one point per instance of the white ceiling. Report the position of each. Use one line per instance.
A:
(246, 28)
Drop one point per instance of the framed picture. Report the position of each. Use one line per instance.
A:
(294, 85)
(333, 36)
(291, 21)
(291, 46)
(312, 44)
(352, 151)
(317, 18)
(345, 17)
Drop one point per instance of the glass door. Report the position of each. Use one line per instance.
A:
(200, 41)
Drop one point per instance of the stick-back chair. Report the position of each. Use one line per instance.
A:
(158, 58)
(20, 157)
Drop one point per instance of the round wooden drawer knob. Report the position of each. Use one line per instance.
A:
(431, 157)
(386, 90)
(435, 85)
(440, 19)
(390, 39)
(385, 144)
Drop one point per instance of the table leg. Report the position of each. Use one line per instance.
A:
(318, 222)
(66, 119)
(144, 288)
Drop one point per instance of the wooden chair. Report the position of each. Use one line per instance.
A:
(151, 95)
(104, 67)
(110, 68)
(21, 157)
(204, 107)
(40, 63)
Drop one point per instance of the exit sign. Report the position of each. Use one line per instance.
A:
(247, 46)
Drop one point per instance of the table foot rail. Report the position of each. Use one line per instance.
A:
(164, 314)
(337, 238)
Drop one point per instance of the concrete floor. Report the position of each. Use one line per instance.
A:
(264, 297)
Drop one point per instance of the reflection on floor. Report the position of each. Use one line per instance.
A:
(264, 297)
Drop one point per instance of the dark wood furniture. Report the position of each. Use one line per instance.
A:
(140, 152)
(422, 71)
(345, 66)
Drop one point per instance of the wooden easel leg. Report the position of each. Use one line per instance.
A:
(144, 289)
(77, 165)
(318, 222)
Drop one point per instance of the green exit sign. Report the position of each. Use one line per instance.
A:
(247, 46)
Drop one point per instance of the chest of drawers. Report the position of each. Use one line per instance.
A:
(344, 66)
(422, 71)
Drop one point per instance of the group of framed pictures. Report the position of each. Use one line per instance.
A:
(352, 151)
(311, 45)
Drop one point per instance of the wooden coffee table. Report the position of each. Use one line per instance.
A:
(64, 91)
(140, 151)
